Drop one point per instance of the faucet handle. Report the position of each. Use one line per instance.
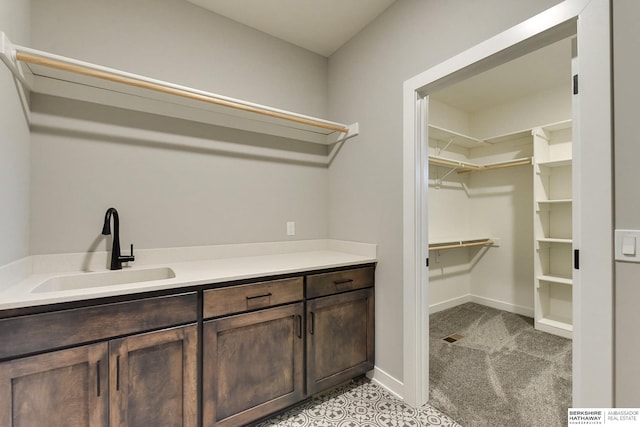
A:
(127, 258)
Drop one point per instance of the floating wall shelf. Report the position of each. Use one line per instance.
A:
(50, 74)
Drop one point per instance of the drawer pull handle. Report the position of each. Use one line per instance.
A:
(342, 282)
(259, 296)
(258, 301)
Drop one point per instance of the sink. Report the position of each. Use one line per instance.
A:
(104, 278)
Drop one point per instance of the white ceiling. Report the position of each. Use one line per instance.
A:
(321, 26)
(545, 68)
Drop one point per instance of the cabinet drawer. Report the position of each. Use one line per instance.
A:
(48, 331)
(236, 299)
(340, 281)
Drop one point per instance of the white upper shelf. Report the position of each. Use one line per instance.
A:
(50, 74)
(447, 137)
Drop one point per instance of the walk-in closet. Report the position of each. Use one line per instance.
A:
(500, 242)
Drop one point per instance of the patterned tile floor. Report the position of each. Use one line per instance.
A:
(360, 403)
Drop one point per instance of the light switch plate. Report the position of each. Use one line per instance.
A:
(627, 244)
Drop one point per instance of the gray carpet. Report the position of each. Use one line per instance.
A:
(502, 373)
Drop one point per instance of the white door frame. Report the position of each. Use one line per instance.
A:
(593, 283)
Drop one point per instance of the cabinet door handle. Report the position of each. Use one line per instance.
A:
(311, 318)
(118, 373)
(299, 319)
(98, 378)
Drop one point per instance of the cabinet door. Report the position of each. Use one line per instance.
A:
(252, 365)
(63, 388)
(340, 341)
(153, 379)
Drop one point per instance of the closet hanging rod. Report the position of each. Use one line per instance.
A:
(454, 164)
(91, 70)
(460, 244)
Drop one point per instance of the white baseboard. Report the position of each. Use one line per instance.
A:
(500, 305)
(386, 381)
(434, 308)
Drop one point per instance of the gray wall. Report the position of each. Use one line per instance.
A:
(365, 84)
(177, 41)
(170, 195)
(14, 144)
(627, 197)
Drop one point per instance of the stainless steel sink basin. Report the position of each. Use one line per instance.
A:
(105, 278)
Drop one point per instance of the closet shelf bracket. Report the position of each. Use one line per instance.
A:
(440, 150)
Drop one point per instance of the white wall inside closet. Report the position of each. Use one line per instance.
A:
(494, 203)
(501, 207)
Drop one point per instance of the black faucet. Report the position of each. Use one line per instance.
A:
(116, 258)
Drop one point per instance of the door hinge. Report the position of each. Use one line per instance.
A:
(427, 262)
(576, 259)
(575, 84)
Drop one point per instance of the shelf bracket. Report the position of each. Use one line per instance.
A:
(540, 133)
(439, 180)
(8, 56)
(336, 137)
(440, 150)
(22, 82)
(337, 140)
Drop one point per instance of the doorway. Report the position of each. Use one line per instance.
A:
(592, 290)
(499, 227)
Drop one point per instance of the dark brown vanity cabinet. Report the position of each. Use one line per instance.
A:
(340, 327)
(263, 346)
(258, 360)
(253, 355)
(141, 379)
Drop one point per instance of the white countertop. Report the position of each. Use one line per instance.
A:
(223, 263)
